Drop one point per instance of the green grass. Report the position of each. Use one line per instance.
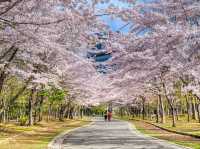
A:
(182, 125)
(153, 133)
(192, 127)
(35, 137)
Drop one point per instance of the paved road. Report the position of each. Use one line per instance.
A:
(110, 135)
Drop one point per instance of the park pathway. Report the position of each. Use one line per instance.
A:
(110, 135)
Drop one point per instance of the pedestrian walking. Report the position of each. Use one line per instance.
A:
(109, 116)
(105, 116)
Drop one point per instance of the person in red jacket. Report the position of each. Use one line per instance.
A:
(109, 116)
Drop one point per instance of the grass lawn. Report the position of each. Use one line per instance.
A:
(192, 127)
(164, 135)
(34, 137)
(182, 125)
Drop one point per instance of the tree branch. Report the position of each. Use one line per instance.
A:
(11, 23)
(9, 8)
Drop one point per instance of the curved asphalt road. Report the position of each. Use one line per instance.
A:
(109, 135)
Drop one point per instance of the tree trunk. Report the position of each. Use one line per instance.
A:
(176, 112)
(170, 102)
(3, 73)
(198, 111)
(2, 79)
(30, 109)
(49, 112)
(82, 111)
(61, 112)
(188, 108)
(40, 108)
(4, 111)
(35, 117)
(40, 114)
(194, 111)
(158, 111)
(71, 113)
(148, 110)
(162, 110)
(143, 108)
(198, 106)
(173, 117)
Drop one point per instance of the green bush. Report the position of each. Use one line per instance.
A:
(22, 120)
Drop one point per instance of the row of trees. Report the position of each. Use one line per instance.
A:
(160, 102)
(159, 68)
(186, 108)
(39, 64)
(31, 105)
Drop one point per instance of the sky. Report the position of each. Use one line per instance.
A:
(115, 23)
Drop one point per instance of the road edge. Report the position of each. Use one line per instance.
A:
(56, 142)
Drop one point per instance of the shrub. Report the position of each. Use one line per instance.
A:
(22, 120)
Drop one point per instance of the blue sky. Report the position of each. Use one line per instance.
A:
(115, 23)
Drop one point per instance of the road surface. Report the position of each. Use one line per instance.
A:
(109, 135)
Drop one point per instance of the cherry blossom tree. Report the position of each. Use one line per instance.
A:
(46, 42)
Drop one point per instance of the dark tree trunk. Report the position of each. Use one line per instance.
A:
(35, 117)
(173, 118)
(61, 110)
(3, 76)
(81, 112)
(176, 111)
(198, 111)
(30, 108)
(194, 112)
(40, 108)
(162, 110)
(30, 105)
(71, 113)
(3, 73)
(4, 111)
(198, 107)
(188, 108)
(49, 112)
(158, 110)
(143, 108)
(170, 102)
(148, 110)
